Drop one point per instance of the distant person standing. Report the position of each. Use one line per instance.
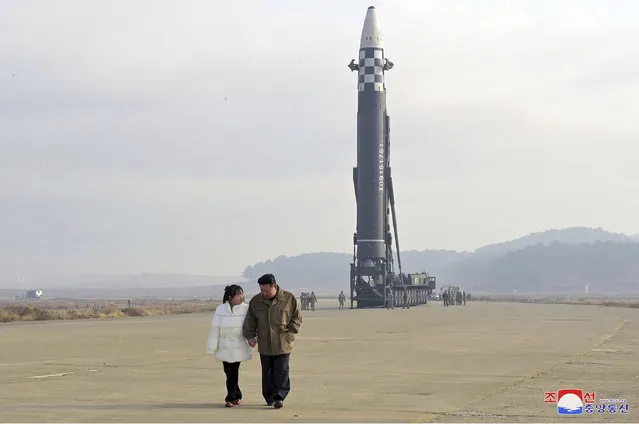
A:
(390, 299)
(341, 299)
(273, 319)
(313, 300)
(227, 342)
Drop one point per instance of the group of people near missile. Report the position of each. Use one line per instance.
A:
(451, 298)
(308, 300)
(389, 302)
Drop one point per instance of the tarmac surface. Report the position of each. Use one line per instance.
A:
(484, 362)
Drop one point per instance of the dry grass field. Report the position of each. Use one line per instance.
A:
(51, 310)
(485, 362)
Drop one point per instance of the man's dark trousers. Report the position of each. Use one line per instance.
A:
(275, 377)
(232, 371)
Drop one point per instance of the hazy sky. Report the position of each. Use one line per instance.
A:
(204, 136)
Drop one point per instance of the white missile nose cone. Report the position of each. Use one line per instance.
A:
(372, 32)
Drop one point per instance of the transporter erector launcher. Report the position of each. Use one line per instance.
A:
(373, 279)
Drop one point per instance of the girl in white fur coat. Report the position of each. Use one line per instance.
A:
(226, 341)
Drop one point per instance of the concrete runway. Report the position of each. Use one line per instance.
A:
(485, 362)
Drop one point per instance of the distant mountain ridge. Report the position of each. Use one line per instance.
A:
(551, 260)
(572, 235)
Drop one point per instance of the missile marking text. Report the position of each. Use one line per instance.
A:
(381, 167)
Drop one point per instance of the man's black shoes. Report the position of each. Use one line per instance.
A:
(276, 403)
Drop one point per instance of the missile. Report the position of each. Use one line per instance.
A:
(372, 146)
(374, 281)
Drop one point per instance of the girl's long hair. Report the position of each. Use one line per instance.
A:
(231, 291)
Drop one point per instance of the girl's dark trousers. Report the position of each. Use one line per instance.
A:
(232, 371)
